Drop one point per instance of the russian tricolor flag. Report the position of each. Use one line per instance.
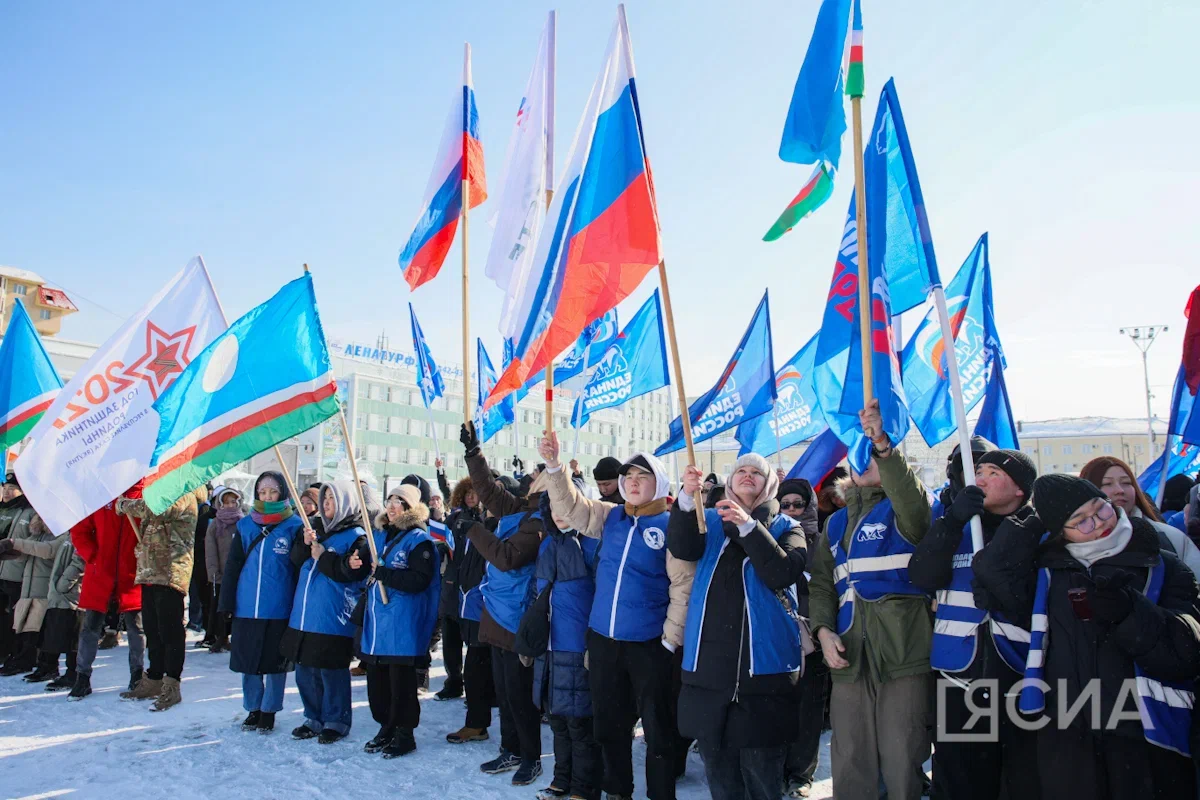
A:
(601, 235)
(460, 158)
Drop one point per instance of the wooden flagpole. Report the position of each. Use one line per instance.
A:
(864, 272)
(551, 54)
(466, 206)
(362, 505)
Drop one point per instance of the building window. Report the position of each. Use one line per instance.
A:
(375, 392)
(360, 421)
(414, 427)
(395, 425)
(362, 389)
(20, 289)
(1108, 449)
(393, 454)
(1085, 448)
(413, 455)
(1047, 450)
(372, 452)
(44, 314)
(374, 422)
(1139, 449)
(1066, 449)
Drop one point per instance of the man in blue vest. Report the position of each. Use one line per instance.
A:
(980, 653)
(874, 626)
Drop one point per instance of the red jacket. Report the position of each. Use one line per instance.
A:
(107, 543)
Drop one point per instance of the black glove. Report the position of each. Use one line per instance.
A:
(469, 439)
(968, 503)
(6, 547)
(1111, 598)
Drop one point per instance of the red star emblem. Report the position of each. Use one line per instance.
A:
(165, 357)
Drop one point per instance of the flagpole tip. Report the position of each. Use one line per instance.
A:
(306, 269)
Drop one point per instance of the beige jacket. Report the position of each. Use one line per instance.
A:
(588, 516)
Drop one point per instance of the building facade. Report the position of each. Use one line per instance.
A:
(46, 306)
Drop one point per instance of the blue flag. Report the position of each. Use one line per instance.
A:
(429, 377)
(977, 345)
(1184, 424)
(745, 389)
(796, 413)
(28, 381)
(819, 458)
(493, 421)
(1184, 460)
(837, 370)
(635, 363)
(995, 421)
(816, 117)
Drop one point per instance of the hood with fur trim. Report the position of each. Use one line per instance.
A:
(417, 516)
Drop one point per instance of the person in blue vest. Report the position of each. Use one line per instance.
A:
(553, 637)
(742, 650)
(979, 651)
(320, 634)
(394, 640)
(637, 618)
(1115, 641)
(257, 586)
(1175, 496)
(507, 589)
(875, 626)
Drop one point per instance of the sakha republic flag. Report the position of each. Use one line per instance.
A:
(263, 381)
(459, 158)
(28, 381)
(601, 235)
(97, 438)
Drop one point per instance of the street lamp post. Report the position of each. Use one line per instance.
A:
(1143, 336)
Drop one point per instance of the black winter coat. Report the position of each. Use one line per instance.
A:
(459, 522)
(1163, 639)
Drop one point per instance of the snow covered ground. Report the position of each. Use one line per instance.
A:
(105, 747)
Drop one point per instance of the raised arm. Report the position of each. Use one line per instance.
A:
(584, 514)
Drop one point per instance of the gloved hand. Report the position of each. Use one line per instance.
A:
(8, 549)
(1112, 599)
(526, 661)
(469, 439)
(968, 503)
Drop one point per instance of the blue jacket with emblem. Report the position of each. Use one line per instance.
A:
(322, 603)
(265, 584)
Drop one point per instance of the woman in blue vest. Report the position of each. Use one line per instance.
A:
(394, 642)
(1113, 629)
(257, 588)
(742, 654)
(510, 553)
(320, 634)
(637, 618)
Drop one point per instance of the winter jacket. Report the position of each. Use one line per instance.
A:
(165, 550)
(892, 638)
(1173, 541)
(1163, 639)
(324, 602)
(456, 565)
(15, 516)
(932, 569)
(615, 527)
(61, 583)
(106, 542)
(219, 539)
(258, 578)
(39, 549)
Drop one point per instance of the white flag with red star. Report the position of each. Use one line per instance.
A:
(97, 439)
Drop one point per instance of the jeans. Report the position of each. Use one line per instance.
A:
(749, 773)
(162, 615)
(93, 629)
(264, 692)
(325, 694)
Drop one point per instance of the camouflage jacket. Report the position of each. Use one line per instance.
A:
(164, 549)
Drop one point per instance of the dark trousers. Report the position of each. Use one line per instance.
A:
(628, 680)
(803, 754)
(8, 638)
(578, 766)
(748, 773)
(392, 694)
(49, 660)
(977, 770)
(520, 720)
(215, 627)
(1076, 763)
(480, 688)
(452, 655)
(162, 618)
(199, 607)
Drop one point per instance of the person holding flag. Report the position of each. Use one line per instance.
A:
(878, 651)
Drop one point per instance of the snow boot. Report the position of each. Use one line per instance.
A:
(449, 691)
(552, 792)
(615, 796)
(529, 771)
(41, 675)
(82, 687)
(402, 744)
(798, 789)
(250, 723)
(505, 762)
(381, 740)
(304, 732)
(169, 697)
(64, 681)
(464, 735)
(109, 640)
(144, 689)
(266, 722)
(329, 736)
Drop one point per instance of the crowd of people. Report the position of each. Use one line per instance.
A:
(740, 618)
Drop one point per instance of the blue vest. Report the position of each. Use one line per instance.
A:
(774, 617)
(267, 581)
(404, 626)
(470, 602)
(506, 595)
(568, 566)
(956, 629)
(323, 605)
(632, 587)
(876, 564)
(1165, 707)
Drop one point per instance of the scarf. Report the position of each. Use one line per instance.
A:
(229, 516)
(1088, 553)
(658, 506)
(265, 513)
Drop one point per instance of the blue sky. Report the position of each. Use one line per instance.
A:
(269, 134)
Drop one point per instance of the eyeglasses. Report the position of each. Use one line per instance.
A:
(798, 506)
(1093, 521)
(395, 501)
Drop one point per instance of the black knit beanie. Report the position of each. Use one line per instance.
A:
(1016, 465)
(796, 486)
(1056, 497)
(606, 469)
(421, 484)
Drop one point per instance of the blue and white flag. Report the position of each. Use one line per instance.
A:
(491, 422)
(1184, 460)
(28, 381)
(995, 421)
(819, 458)
(429, 377)
(1184, 425)
(977, 345)
(587, 352)
(796, 415)
(633, 364)
(816, 118)
(745, 389)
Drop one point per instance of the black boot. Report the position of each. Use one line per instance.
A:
(41, 674)
(304, 732)
(82, 687)
(451, 690)
(381, 740)
(65, 681)
(266, 722)
(251, 721)
(329, 736)
(402, 744)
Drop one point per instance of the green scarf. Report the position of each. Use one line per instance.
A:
(271, 513)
